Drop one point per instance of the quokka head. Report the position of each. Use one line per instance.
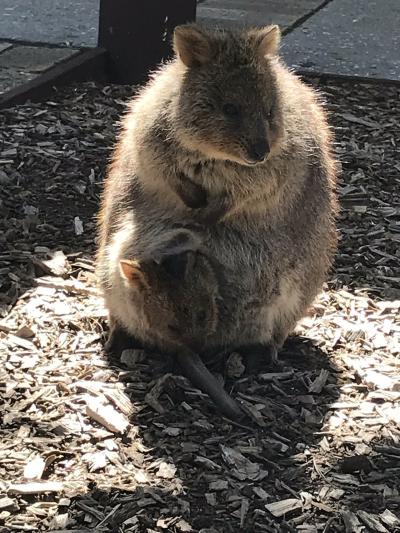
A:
(178, 296)
(228, 106)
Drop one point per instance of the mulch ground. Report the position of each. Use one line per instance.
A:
(92, 444)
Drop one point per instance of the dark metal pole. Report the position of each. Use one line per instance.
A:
(137, 34)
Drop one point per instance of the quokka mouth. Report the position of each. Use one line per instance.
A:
(251, 163)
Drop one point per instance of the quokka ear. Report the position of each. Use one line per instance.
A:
(133, 273)
(176, 265)
(192, 45)
(180, 266)
(267, 40)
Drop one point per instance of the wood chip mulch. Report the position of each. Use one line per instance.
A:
(89, 444)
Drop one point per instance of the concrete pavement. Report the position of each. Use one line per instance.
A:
(239, 13)
(349, 38)
(340, 37)
(36, 35)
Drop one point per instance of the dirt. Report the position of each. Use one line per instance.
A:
(93, 444)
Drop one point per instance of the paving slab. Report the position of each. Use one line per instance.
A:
(4, 46)
(34, 58)
(76, 21)
(50, 21)
(349, 38)
(11, 78)
(236, 18)
(20, 64)
(239, 13)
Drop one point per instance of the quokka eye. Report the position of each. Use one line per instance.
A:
(230, 110)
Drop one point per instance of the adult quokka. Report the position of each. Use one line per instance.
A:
(226, 141)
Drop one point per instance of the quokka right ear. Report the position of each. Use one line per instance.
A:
(266, 40)
(192, 45)
(134, 274)
(180, 266)
(171, 242)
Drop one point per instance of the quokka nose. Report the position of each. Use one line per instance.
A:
(258, 151)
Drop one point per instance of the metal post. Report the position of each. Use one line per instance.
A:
(137, 34)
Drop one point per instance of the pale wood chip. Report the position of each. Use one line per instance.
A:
(36, 487)
(166, 470)
(183, 526)
(13, 340)
(7, 503)
(377, 380)
(58, 265)
(120, 400)
(372, 521)
(35, 468)
(284, 506)
(272, 376)
(390, 519)
(59, 521)
(106, 415)
(72, 286)
(244, 509)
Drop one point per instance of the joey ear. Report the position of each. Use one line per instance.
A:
(267, 40)
(175, 242)
(192, 45)
(132, 272)
(176, 265)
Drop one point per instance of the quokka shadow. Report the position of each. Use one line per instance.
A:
(189, 431)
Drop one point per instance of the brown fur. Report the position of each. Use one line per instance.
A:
(275, 237)
(179, 308)
(177, 300)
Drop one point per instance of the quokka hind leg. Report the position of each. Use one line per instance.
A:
(119, 339)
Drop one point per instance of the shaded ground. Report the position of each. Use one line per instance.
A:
(120, 449)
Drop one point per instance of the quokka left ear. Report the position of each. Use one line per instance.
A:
(267, 40)
(193, 45)
(133, 273)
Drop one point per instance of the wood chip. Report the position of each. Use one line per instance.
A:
(319, 383)
(323, 426)
(351, 522)
(242, 467)
(283, 507)
(106, 415)
(35, 487)
(7, 503)
(390, 519)
(372, 521)
(70, 286)
(35, 468)
(380, 381)
(58, 265)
